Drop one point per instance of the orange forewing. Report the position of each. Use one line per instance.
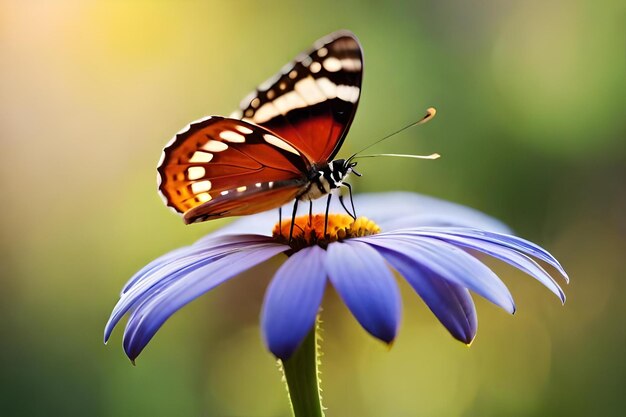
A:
(250, 201)
(218, 159)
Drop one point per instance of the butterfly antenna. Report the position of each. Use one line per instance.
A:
(430, 113)
(431, 156)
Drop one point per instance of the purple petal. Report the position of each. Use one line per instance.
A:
(154, 311)
(509, 241)
(409, 210)
(414, 210)
(451, 303)
(293, 300)
(449, 262)
(157, 263)
(208, 242)
(367, 286)
(169, 268)
(506, 254)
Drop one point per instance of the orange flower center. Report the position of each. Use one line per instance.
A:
(310, 231)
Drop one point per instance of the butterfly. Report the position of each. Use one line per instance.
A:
(277, 148)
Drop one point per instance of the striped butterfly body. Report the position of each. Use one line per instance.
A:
(278, 147)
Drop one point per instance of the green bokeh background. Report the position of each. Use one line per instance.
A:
(531, 98)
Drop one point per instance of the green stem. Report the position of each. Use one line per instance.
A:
(301, 374)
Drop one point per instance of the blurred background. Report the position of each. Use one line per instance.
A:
(531, 98)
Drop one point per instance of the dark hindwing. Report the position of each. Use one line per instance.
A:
(312, 101)
(219, 167)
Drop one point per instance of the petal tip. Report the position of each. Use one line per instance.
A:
(387, 336)
(132, 352)
(466, 338)
(282, 353)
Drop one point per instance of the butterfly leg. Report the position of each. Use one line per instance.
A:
(326, 217)
(310, 212)
(280, 221)
(344, 206)
(293, 219)
(353, 213)
(351, 199)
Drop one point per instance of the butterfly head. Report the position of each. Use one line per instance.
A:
(348, 166)
(342, 168)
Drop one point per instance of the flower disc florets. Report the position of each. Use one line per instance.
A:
(309, 231)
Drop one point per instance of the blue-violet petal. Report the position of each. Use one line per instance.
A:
(292, 301)
(367, 286)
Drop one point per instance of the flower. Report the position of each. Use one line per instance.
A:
(429, 242)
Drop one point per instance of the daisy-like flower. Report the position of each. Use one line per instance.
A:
(431, 243)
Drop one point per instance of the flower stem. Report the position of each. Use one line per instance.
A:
(301, 374)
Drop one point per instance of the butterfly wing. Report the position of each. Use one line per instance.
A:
(218, 167)
(312, 101)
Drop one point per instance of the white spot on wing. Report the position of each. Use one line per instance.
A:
(315, 67)
(309, 90)
(230, 136)
(258, 185)
(288, 102)
(322, 52)
(332, 64)
(243, 129)
(279, 143)
(328, 87)
(201, 157)
(242, 189)
(204, 197)
(265, 113)
(193, 173)
(201, 186)
(215, 146)
(224, 192)
(351, 64)
(348, 93)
